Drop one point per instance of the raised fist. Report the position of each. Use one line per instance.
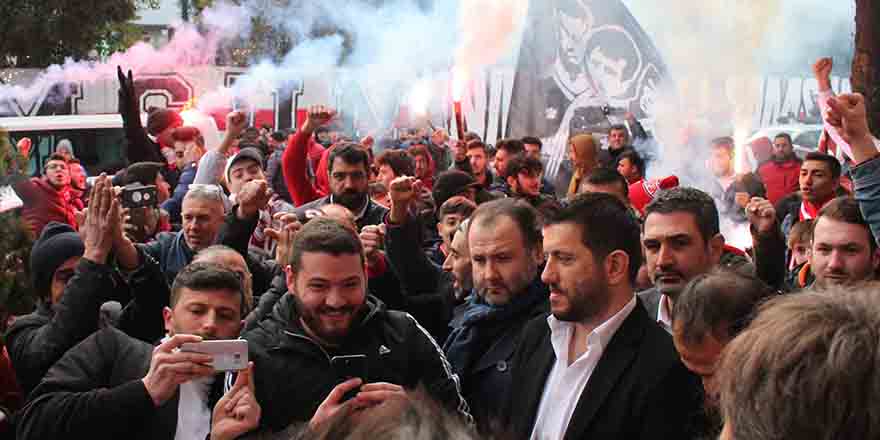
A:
(253, 197)
(236, 122)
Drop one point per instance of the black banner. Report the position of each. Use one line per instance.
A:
(583, 65)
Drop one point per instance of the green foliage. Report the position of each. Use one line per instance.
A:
(37, 33)
(16, 295)
(118, 37)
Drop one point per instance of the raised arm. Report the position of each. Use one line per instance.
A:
(140, 148)
(403, 241)
(849, 115)
(34, 349)
(213, 162)
(294, 161)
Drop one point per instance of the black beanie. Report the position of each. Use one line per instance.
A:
(57, 243)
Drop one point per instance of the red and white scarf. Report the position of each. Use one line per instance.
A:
(809, 211)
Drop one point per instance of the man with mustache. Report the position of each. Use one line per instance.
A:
(349, 168)
(681, 239)
(326, 313)
(597, 366)
(504, 242)
(349, 171)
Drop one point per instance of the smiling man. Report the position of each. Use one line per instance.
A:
(327, 313)
(681, 239)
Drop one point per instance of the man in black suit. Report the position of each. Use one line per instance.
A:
(598, 367)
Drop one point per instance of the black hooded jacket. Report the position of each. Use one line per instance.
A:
(294, 375)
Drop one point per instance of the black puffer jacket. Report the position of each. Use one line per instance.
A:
(38, 340)
(293, 373)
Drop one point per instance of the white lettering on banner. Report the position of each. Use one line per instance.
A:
(486, 102)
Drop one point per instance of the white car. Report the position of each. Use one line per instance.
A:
(805, 137)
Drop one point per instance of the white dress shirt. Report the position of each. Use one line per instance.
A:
(566, 383)
(664, 318)
(193, 414)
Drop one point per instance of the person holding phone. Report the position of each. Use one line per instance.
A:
(114, 386)
(331, 331)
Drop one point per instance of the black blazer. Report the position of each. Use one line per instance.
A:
(638, 390)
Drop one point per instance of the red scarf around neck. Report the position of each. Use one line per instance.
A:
(810, 211)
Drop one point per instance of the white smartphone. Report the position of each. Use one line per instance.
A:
(229, 355)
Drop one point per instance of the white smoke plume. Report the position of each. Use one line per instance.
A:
(396, 47)
(717, 51)
(189, 47)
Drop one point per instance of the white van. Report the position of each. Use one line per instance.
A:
(98, 140)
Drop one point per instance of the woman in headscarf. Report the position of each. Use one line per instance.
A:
(582, 150)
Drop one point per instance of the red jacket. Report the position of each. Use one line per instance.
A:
(780, 179)
(322, 173)
(43, 204)
(294, 165)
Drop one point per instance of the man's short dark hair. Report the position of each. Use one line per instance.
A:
(634, 158)
(519, 211)
(619, 127)
(845, 210)
(143, 173)
(607, 176)
(207, 276)
(419, 150)
(531, 140)
(805, 368)
(511, 146)
(401, 163)
(457, 205)
(522, 163)
(54, 156)
(723, 142)
(606, 226)
(279, 136)
(250, 132)
(718, 303)
(350, 153)
(327, 236)
(471, 136)
(785, 136)
(692, 201)
(490, 151)
(831, 161)
(478, 144)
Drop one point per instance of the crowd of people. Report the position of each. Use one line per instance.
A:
(474, 297)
